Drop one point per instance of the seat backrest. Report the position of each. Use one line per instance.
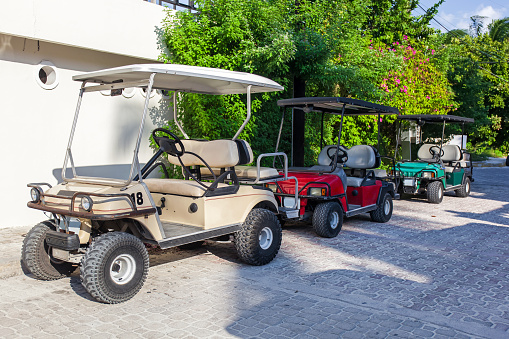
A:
(423, 153)
(451, 153)
(323, 157)
(216, 153)
(362, 157)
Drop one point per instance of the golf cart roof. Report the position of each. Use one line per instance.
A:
(437, 118)
(334, 105)
(184, 78)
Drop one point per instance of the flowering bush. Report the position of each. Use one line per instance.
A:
(417, 88)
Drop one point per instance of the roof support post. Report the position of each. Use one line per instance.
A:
(175, 117)
(335, 164)
(279, 135)
(68, 153)
(442, 139)
(248, 114)
(321, 133)
(136, 164)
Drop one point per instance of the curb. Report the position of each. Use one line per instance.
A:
(491, 162)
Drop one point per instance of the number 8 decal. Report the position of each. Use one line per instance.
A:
(138, 199)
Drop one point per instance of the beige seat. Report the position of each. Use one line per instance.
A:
(454, 158)
(360, 157)
(240, 153)
(424, 154)
(249, 172)
(188, 188)
(216, 153)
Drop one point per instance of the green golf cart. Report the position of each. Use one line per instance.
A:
(438, 168)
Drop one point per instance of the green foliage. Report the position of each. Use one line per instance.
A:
(389, 20)
(479, 74)
(499, 30)
(366, 49)
(418, 87)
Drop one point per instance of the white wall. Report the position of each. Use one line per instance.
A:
(35, 122)
(122, 27)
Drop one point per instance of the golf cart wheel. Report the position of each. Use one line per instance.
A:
(115, 267)
(37, 258)
(328, 219)
(464, 191)
(435, 192)
(259, 239)
(383, 212)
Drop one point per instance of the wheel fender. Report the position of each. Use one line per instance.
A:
(267, 202)
(386, 188)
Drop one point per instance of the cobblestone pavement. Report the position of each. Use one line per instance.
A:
(432, 271)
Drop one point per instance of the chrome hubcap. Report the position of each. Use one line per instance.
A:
(387, 207)
(440, 192)
(334, 220)
(265, 238)
(122, 269)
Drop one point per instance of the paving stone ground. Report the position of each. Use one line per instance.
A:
(432, 271)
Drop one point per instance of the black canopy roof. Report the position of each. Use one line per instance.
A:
(334, 105)
(437, 118)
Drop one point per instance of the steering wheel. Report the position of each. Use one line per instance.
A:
(438, 153)
(168, 145)
(342, 154)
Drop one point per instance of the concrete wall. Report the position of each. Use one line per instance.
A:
(122, 27)
(35, 122)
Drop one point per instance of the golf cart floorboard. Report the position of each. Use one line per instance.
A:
(181, 234)
(450, 188)
(357, 209)
(174, 230)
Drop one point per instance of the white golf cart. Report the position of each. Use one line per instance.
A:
(103, 224)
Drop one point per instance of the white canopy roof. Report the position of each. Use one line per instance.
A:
(185, 78)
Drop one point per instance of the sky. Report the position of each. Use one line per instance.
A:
(455, 14)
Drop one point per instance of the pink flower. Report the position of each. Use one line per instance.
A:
(398, 81)
(405, 37)
(432, 51)
(427, 59)
(427, 96)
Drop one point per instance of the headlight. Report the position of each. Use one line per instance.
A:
(272, 187)
(86, 203)
(428, 175)
(35, 194)
(317, 191)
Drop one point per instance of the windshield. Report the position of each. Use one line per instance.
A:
(107, 130)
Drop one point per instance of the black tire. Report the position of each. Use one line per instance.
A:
(37, 258)
(328, 219)
(464, 191)
(383, 212)
(435, 192)
(111, 258)
(259, 239)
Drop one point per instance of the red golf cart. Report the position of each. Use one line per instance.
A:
(345, 181)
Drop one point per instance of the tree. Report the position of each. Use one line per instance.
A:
(498, 30)
(389, 20)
